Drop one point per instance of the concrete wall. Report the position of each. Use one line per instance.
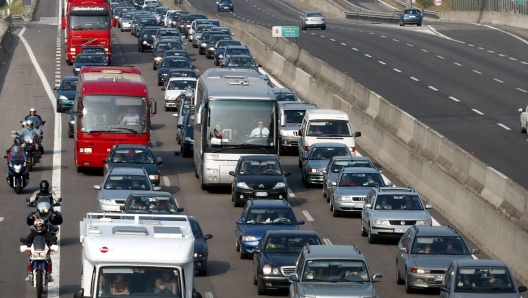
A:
(486, 206)
(6, 40)
(487, 17)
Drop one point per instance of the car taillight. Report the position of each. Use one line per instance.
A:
(322, 19)
(307, 19)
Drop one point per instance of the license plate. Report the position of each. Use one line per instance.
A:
(438, 278)
(400, 230)
(261, 193)
(316, 19)
(412, 16)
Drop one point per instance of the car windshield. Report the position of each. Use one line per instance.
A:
(322, 153)
(439, 246)
(120, 280)
(288, 243)
(270, 216)
(294, 116)
(163, 33)
(164, 46)
(260, 167)
(114, 114)
(127, 182)
(69, 85)
(175, 63)
(338, 270)
(399, 202)
(328, 128)
(132, 156)
(475, 279)
(89, 59)
(197, 232)
(339, 164)
(181, 84)
(361, 180)
(149, 33)
(286, 97)
(151, 204)
(203, 28)
(177, 53)
(239, 62)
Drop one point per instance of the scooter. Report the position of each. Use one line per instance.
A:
(17, 176)
(39, 263)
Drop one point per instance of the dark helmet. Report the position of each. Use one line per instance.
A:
(16, 149)
(17, 141)
(44, 186)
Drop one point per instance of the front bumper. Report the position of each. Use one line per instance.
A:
(314, 178)
(350, 206)
(242, 195)
(248, 246)
(289, 142)
(391, 231)
(104, 207)
(61, 105)
(274, 282)
(425, 280)
(200, 264)
(126, 26)
(170, 103)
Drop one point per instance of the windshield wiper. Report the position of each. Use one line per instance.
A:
(77, 28)
(123, 128)
(246, 146)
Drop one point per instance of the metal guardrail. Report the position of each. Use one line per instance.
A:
(373, 17)
(507, 6)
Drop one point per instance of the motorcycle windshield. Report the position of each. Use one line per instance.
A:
(43, 199)
(16, 158)
(39, 243)
(44, 209)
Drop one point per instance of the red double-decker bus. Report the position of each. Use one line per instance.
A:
(111, 107)
(87, 22)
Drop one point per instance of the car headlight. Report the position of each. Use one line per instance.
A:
(423, 222)
(267, 269)
(203, 44)
(242, 185)
(197, 255)
(211, 48)
(420, 271)
(72, 122)
(279, 185)
(164, 74)
(344, 198)
(105, 201)
(381, 222)
(62, 97)
(153, 177)
(212, 170)
(158, 59)
(312, 170)
(174, 22)
(17, 168)
(145, 42)
(249, 238)
(77, 69)
(284, 133)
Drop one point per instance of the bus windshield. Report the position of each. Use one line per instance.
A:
(252, 126)
(114, 114)
(89, 22)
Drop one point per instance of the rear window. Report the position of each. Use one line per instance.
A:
(314, 14)
(412, 11)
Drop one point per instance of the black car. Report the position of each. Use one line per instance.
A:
(202, 46)
(171, 62)
(201, 249)
(66, 93)
(175, 22)
(186, 134)
(134, 156)
(87, 60)
(166, 33)
(219, 49)
(161, 47)
(257, 177)
(71, 122)
(225, 5)
(275, 257)
(210, 46)
(96, 50)
(146, 38)
(143, 22)
(181, 53)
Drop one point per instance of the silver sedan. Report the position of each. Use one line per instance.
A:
(313, 19)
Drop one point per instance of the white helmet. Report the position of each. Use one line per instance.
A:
(24, 123)
(29, 122)
(32, 110)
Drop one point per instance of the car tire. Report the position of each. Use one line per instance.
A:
(203, 272)
(178, 140)
(324, 190)
(363, 233)
(399, 280)
(79, 169)
(260, 290)
(523, 129)
(160, 83)
(303, 28)
(141, 50)
(154, 66)
(335, 213)
(372, 239)
(242, 254)
(323, 28)
(300, 163)
(237, 247)
(58, 110)
(122, 30)
(419, 24)
(255, 282)
(408, 289)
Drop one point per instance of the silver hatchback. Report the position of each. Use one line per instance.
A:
(313, 19)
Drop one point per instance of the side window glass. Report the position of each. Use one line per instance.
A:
(449, 275)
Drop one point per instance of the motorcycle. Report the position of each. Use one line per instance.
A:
(17, 176)
(31, 145)
(39, 263)
(45, 211)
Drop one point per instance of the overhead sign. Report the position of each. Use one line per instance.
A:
(285, 31)
(437, 2)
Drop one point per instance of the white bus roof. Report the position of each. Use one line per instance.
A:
(135, 240)
(325, 114)
(222, 83)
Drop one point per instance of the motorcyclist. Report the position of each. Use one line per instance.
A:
(15, 152)
(39, 229)
(37, 120)
(16, 142)
(32, 133)
(44, 191)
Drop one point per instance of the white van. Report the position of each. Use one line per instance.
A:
(136, 252)
(321, 125)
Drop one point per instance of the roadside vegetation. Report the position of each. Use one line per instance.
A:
(17, 8)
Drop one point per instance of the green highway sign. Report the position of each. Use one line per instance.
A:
(285, 31)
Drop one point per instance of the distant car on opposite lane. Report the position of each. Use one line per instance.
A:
(225, 5)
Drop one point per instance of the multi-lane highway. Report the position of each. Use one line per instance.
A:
(404, 54)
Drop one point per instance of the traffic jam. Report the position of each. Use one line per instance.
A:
(234, 123)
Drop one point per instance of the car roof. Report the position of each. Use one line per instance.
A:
(296, 105)
(126, 171)
(70, 78)
(436, 231)
(182, 79)
(395, 190)
(282, 90)
(240, 56)
(258, 157)
(176, 58)
(268, 204)
(237, 47)
(362, 170)
(329, 144)
(480, 262)
(333, 252)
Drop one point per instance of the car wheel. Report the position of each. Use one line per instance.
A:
(141, 49)
(260, 289)
(399, 280)
(122, 30)
(372, 239)
(523, 129)
(79, 169)
(58, 109)
(363, 233)
(178, 140)
(202, 272)
(335, 213)
(255, 282)
(300, 163)
(323, 28)
(324, 190)
(242, 254)
(303, 28)
(237, 246)
(419, 24)
(408, 289)
(160, 83)
(402, 24)
(154, 66)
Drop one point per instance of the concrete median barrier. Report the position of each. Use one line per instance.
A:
(6, 41)
(486, 206)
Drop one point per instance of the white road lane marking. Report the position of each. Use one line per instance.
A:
(415, 79)
(410, 45)
(470, 45)
(511, 34)
(480, 48)
(381, 62)
(424, 50)
(368, 55)
(453, 98)
(492, 52)
(523, 62)
(476, 71)
(514, 59)
(457, 64)
(344, 44)
(327, 241)
(504, 126)
(502, 55)
(307, 215)
(1, 219)
(522, 90)
(166, 181)
(477, 111)
(432, 88)
(440, 57)
(498, 80)
(332, 39)
(355, 49)
(396, 70)
(290, 192)
(395, 40)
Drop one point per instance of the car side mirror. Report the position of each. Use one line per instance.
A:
(475, 251)
(390, 184)
(163, 89)
(208, 236)
(521, 110)
(79, 293)
(157, 188)
(105, 160)
(232, 173)
(286, 174)
(294, 277)
(57, 88)
(159, 161)
(98, 187)
(377, 277)
(403, 249)
(429, 206)
(357, 134)
(259, 65)
(239, 222)
(522, 289)
(301, 222)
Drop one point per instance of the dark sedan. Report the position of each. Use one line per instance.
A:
(171, 62)
(201, 249)
(143, 22)
(96, 50)
(257, 177)
(180, 53)
(186, 134)
(275, 257)
(210, 46)
(219, 49)
(66, 94)
(134, 156)
(87, 60)
(225, 5)
(241, 61)
(317, 158)
(146, 38)
(163, 46)
(411, 16)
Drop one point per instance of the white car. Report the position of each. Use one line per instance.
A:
(524, 119)
(174, 88)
